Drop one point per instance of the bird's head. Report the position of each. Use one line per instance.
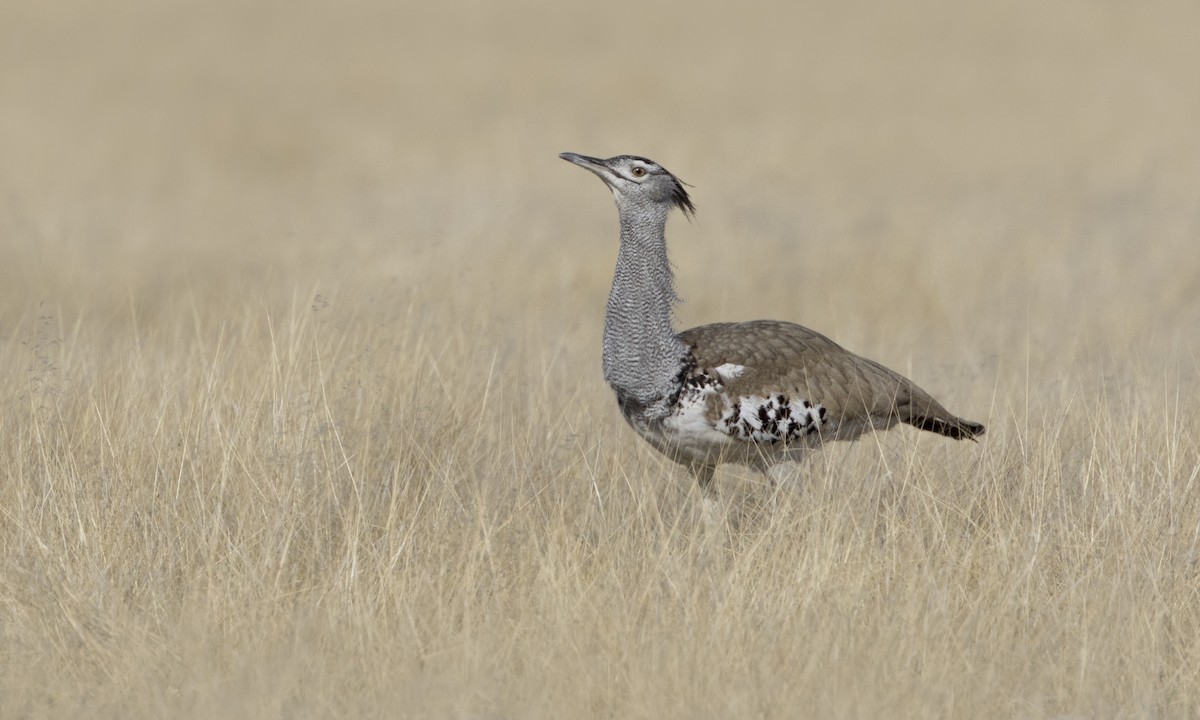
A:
(637, 181)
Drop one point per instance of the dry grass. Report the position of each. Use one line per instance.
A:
(302, 413)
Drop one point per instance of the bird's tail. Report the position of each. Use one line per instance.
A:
(912, 405)
(948, 425)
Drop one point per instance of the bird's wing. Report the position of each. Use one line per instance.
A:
(770, 359)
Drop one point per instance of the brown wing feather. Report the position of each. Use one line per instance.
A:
(791, 359)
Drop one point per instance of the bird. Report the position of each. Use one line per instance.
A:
(758, 393)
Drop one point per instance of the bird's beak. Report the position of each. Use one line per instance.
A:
(596, 165)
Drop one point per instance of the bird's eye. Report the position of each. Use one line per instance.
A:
(638, 171)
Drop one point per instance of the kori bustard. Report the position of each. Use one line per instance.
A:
(754, 393)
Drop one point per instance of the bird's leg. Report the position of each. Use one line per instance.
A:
(784, 476)
(712, 517)
(704, 477)
(710, 506)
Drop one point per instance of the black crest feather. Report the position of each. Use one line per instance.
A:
(679, 197)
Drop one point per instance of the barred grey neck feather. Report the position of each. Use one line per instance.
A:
(643, 356)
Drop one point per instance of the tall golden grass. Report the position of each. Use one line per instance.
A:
(301, 403)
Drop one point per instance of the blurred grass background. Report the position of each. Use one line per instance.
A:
(302, 409)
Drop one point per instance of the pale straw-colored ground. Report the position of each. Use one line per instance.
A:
(300, 331)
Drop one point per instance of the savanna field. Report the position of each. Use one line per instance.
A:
(300, 392)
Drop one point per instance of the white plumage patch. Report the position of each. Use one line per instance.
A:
(688, 428)
(771, 419)
(691, 419)
(730, 371)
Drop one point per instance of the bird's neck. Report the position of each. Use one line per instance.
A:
(642, 355)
